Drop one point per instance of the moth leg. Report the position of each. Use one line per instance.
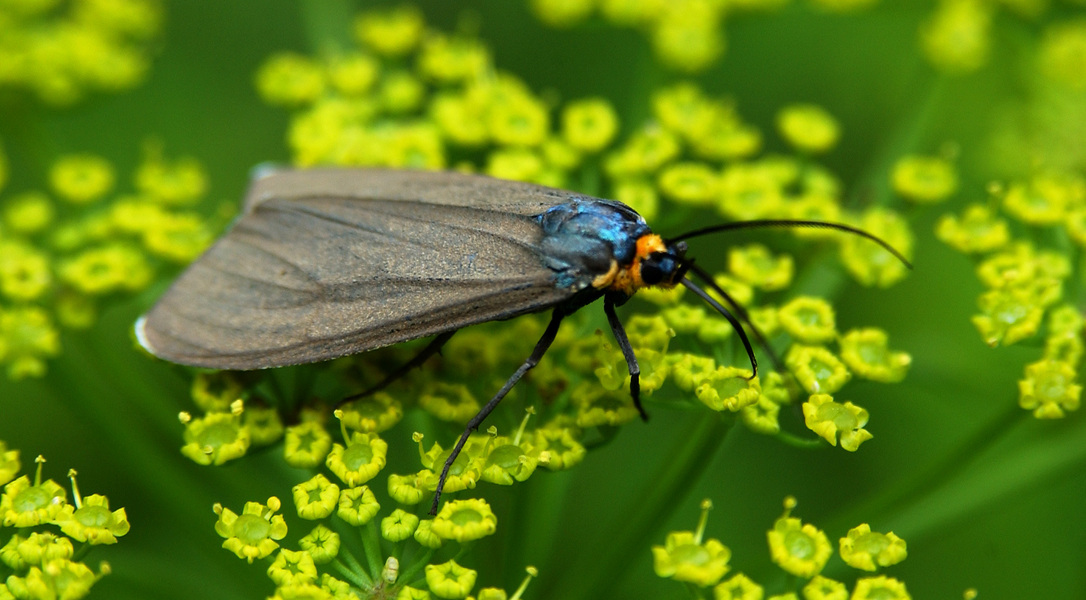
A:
(431, 349)
(628, 353)
(540, 349)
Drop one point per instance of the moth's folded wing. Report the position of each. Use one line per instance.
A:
(310, 279)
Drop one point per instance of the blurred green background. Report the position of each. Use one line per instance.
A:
(986, 496)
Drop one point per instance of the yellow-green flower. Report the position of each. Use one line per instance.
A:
(762, 416)
(451, 402)
(399, 525)
(831, 420)
(424, 534)
(316, 498)
(448, 60)
(57, 578)
(756, 265)
(24, 504)
(879, 588)
(215, 391)
(683, 108)
(37, 549)
(562, 13)
(353, 74)
(868, 550)
(306, 444)
(464, 472)
(406, 489)
(9, 463)
(357, 505)
(465, 520)
(925, 179)
(90, 520)
(738, 587)
(868, 262)
(81, 178)
(450, 580)
(174, 182)
(977, 230)
(957, 36)
(558, 448)
(391, 31)
(292, 568)
(808, 320)
(253, 533)
(642, 197)
(1007, 316)
(322, 544)
(1042, 201)
(808, 128)
(373, 414)
(27, 337)
(264, 425)
(589, 125)
(689, 39)
(29, 212)
(685, 557)
(748, 192)
(728, 388)
(824, 588)
(360, 460)
(25, 273)
(108, 269)
(798, 548)
(1049, 389)
(866, 353)
(215, 438)
(290, 80)
(817, 369)
(692, 183)
(507, 462)
(598, 406)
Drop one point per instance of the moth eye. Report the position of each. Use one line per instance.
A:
(653, 271)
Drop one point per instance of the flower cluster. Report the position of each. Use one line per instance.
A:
(61, 51)
(958, 35)
(686, 35)
(798, 548)
(369, 106)
(1029, 287)
(36, 560)
(64, 250)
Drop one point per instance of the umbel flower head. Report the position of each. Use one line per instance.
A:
(797, 547)
(255, 532)
(686, 557)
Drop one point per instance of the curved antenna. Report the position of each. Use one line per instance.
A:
(740, 312)
(693, 287)
(759, 223)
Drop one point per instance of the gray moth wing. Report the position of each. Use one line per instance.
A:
(327, 263)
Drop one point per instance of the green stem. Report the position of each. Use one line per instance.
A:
(372, 546)
(796, 441)
(353, 573)
(417, 566)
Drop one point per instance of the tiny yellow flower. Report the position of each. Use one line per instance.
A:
(867, 550)
(869, 263)
(215, 439)
(866, 353)
(175, 182)
(398, 526)
(57, 578)
(728, 388)
(448, 60)
(924, 179)
(90, 520)
(406, 489)
(879, 588)
(562, 13)
(824, 588)
(691, 183)
(808, 320)
(25, 505)
(1007, 316)
(957, 36)
(597, 406)
(357, 505)
(738, 587)
(451, 402)
(817, 369)
(465, 520)
(450, 580)
(81, 178)
(1049, 389)
(1042, 201)
(559, 446)
(978, 230)
(831, 420)
(517, 164)
(360, 460)
(643, 198)
(36, 549)
(684, 557)
(762, 416)
(506, 463)
(748, 192)
(322, 544)
(755, 265)
(9, 463)
(683, 108)
(353, 74)
(424, 534)
(290, 80)
(391, 32)
(589, 125)
(798, 548)
(306, 444)
(689, 39)
(29, 212)
(27, 337)
(292, 568)
(316, 498)
(253, 533)
(25, 273)
(373, 414)
(808, 128)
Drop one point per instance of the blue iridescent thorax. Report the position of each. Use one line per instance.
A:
(584, 237)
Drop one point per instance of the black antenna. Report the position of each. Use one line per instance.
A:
(690, 285)
(762, 223)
